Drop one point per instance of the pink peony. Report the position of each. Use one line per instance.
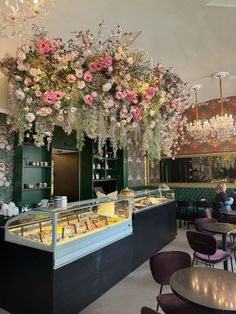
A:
(136, 113)
(71, 78)
(131, 96)
(88, 99)
(44, 46)
(88, 76)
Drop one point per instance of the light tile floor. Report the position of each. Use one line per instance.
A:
(136, 290)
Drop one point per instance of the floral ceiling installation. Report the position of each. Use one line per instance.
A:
(106, 89)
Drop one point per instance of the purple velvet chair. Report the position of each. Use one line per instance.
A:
(205, 251)
(163, 265)
(147, 310)
(199, 223)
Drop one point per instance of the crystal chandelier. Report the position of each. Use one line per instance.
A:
(199, 130)
(16, 16)
(222, 126)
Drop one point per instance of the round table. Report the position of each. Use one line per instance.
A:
(230, 213)
(211, 288)
(223, 229)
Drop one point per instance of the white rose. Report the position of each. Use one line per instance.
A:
(81, 84)
(20, 94)
(73, 109)
(106, 87)
(30, 117)
(130, 60)
(33, 71)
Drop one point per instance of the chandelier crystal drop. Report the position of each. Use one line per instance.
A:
(199, 130)
(223, 126)
(17, 16)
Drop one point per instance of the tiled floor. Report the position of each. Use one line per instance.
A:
(134, 291)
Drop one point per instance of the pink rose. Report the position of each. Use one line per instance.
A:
(151, 91)
(160, 68)
(98, 66)
(44, 46)
(131, 96)
(71, 78)
(88, 76)
(106, 62)
(92, 67)
(21, 66)
(58, 95)
(118, 95)
(136, 113)
(117, 124)
(28, 82)
(88, 99)
(94, 94)
(49, 98)
(81, 84)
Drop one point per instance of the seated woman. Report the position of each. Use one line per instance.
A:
(223, 201)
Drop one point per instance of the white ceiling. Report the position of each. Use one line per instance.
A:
(195, 39)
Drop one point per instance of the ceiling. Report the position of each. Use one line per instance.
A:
(193, 38)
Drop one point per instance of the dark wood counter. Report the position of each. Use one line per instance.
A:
(30, 285)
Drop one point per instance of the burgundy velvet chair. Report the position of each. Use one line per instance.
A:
(208, 213)
(199, 223)
(147, 310)
(205, 251)
(163, 265)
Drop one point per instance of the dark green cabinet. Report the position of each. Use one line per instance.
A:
(32, 175)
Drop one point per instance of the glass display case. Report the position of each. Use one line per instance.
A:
(72, 232)
(151, 197)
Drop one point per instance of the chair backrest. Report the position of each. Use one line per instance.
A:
(147, 310)
(200, 222)
(208, 213)
(164, 264)
(200, 203)
(182, 204)
(231, 220)
(201, 242)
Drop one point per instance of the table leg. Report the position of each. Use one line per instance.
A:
(224, 247)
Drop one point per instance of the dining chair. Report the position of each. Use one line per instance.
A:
(208, 213)
(199, 226)
(185, 212)
(205, 250)
(148, 310)
(232, 220)
(163, 265)
(199, 207)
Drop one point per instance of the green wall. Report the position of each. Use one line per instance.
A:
(6, 160)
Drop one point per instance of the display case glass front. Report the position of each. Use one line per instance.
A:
(151, 197)
(72, 232)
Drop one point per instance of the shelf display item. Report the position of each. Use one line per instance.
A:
(72, 232)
